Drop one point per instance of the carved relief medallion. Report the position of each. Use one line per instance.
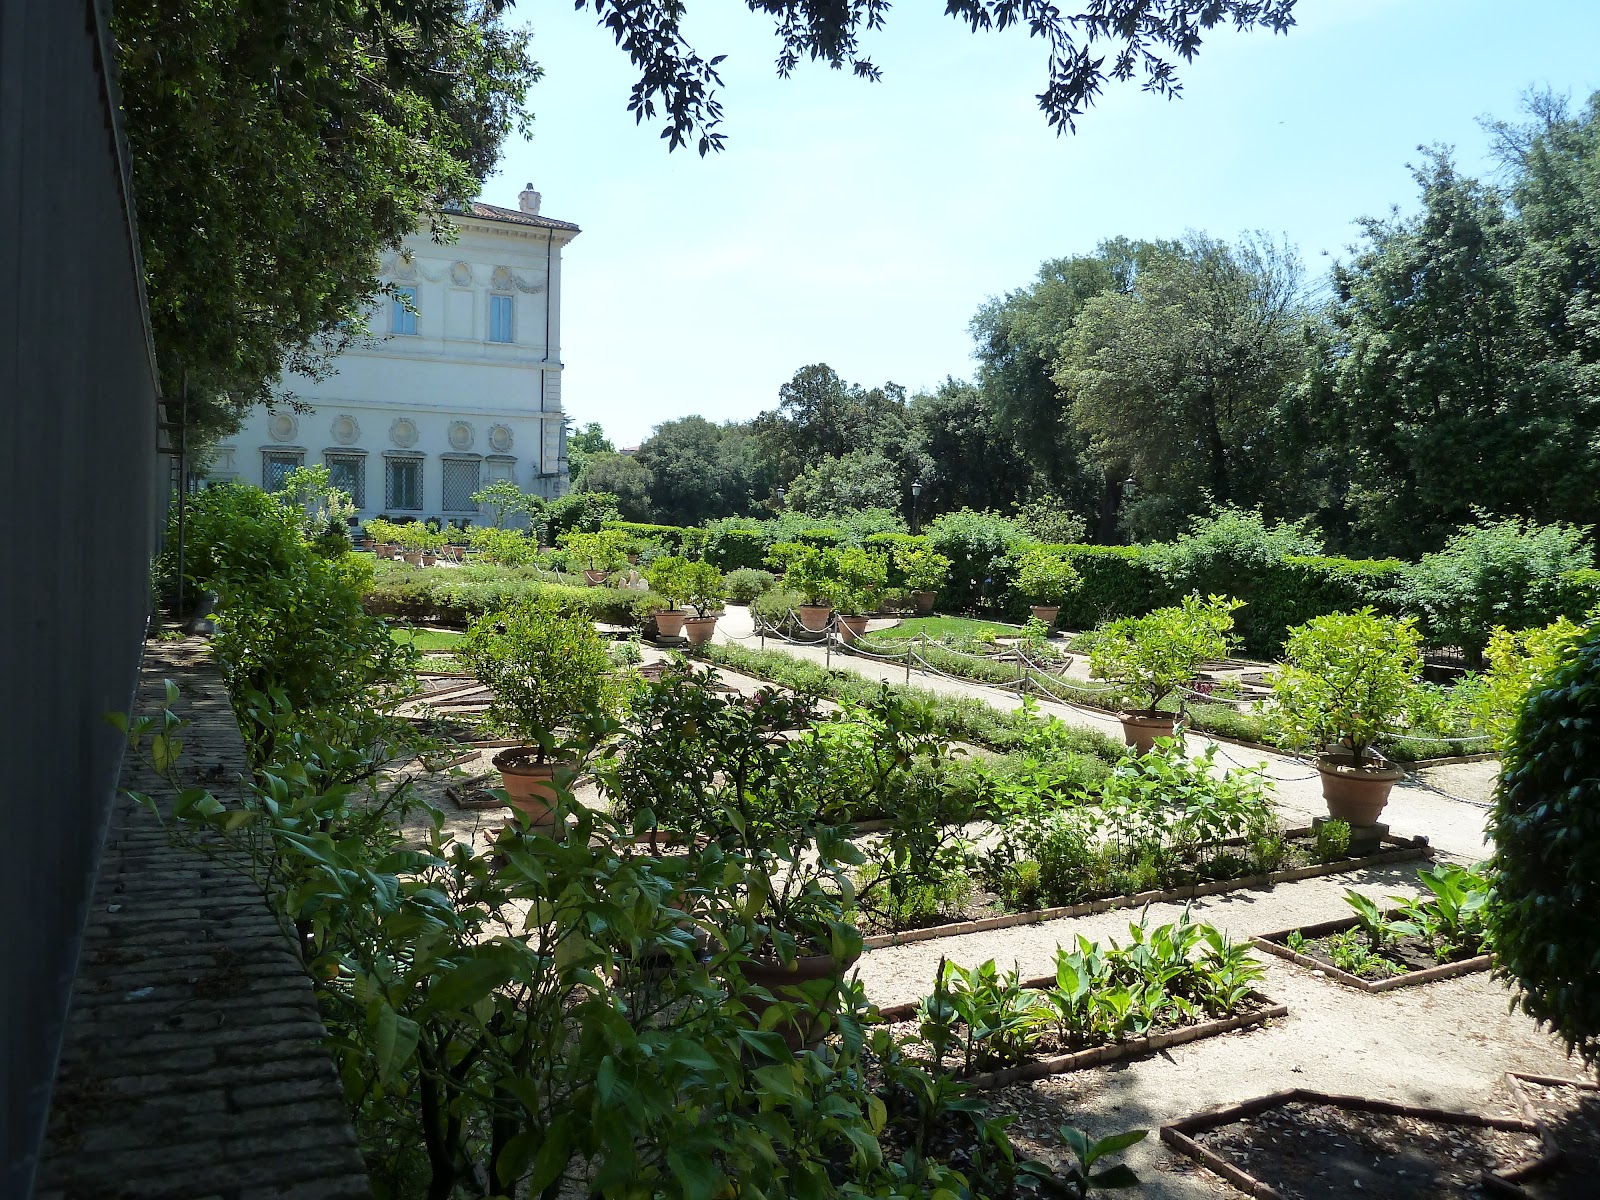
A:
(500, 438)
(403, 433)
(345, 430)
(283, 426)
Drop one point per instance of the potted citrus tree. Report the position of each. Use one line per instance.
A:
(1150, 657)
(809, 571)
(702, 588)
(1045, 579)
(385, 536)
(545, 672)
(1347, 679)
(668, 578)
(853, 578)
(925, 570)
(414, 539)
(597, 553)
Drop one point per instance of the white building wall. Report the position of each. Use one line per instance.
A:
(446, 393)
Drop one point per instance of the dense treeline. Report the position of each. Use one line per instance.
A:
(1451, 366)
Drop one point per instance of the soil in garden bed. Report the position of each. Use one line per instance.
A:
(1404, 954)
(1320, 1152)
(446, 729)
(1051, 1044)
(1228, 864)
(1572, 1115)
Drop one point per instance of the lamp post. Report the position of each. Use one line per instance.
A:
(778, 495)
(916, 495)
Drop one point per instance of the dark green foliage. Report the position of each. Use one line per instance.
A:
(1117, 581)
(581, 512)
(701, 470)
(279, 150)
(745, 584)
(1545, 826)
(622, 476)
(1492, 573)
(668, 537)
(730, 547)
(979, 546)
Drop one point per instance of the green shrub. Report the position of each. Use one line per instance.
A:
(853, 579)
(775, 607)
(979, 546)
(921, 568)
(1498, 573)
(732, 548)
(1519, 663)
(745, 584)
(586, 512)
(460, 597)
(669, 537)
(1545, 827)
(1117, 581)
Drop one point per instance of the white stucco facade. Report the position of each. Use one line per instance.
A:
(461, 392)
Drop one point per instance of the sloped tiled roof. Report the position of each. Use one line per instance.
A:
(493, 212)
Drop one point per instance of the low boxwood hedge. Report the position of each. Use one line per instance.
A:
(424, 594)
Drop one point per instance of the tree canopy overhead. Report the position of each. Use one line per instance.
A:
(279, 148)
(1105, 40)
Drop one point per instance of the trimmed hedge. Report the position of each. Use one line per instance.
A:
(669, 537)
(460, 597)
(735, 549)
(1117, 581)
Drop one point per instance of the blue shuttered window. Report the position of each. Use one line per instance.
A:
(401, 319)
(500, 310)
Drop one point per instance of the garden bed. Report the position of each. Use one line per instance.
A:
(1416, 958)
(1403, 849)
(1257, 1010)
(1306, 1145)
(1567, 1112)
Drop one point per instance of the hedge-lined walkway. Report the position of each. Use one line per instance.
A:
(194, 1063)
(1455, 827)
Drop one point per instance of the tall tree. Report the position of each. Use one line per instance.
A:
(625, 477)
(702, 470)
(1438, 396)
(278, 148)
(1018, 341)
(967, 458)
(821, 416)
(582, 445)
(1182, 380)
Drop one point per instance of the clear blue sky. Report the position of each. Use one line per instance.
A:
(862, 224)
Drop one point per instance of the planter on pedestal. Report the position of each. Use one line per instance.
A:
(669, 622)
(851, 627)
(530, 785)
(1046, 613)
(697, 631)
(924, 602)
(1355, 794)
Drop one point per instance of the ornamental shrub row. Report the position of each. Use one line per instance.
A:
(460, 597)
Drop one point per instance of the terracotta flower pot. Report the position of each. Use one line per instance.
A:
(851, 627)
(1046, 613)
(529, 785)
(814, 617)
(633, 560)
(1140, 730)
(594, 578)
(1355, 795)
(429, 559)
(698, 630)
(772, 975)
(414, 557)
(669, 622)
(386, 549)
(924, 602)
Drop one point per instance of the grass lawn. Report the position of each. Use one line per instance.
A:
(947, 627)
(426, 639)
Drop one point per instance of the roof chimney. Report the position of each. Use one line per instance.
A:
(528, 199)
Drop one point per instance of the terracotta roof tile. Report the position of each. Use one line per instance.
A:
(493, 212)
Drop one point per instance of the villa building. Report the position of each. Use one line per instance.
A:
(460, 385)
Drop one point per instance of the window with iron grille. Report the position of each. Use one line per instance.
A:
(460, 481)
(403, 319)
(348, 473)
(402, 484)
(276, 465)
(500, 310)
